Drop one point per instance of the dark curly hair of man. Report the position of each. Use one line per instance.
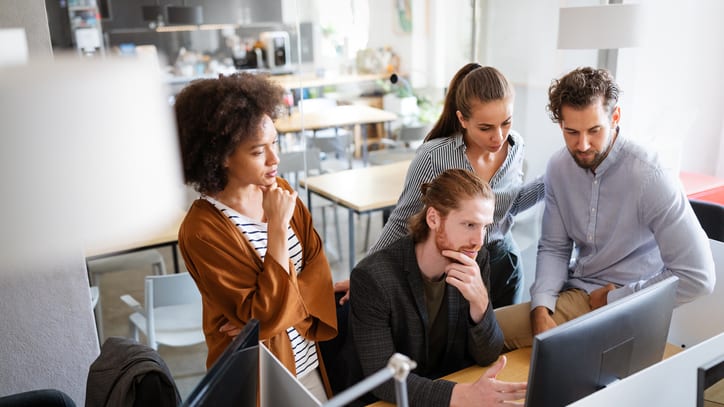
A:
(214, 116)
(581, 88)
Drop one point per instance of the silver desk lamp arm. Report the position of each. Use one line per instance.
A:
(398, 367)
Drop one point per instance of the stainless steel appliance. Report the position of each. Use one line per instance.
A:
(277, 49)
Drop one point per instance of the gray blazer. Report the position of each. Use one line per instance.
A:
(388, 315)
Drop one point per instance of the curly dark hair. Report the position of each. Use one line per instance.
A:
(580, 88)
(214, 116)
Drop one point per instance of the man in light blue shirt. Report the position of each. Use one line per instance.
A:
(615, 221)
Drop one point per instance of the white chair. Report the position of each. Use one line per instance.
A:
(172, 312)
(129, 261)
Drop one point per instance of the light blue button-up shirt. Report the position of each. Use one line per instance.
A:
(629, 224)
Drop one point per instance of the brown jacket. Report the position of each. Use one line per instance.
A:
(236, 285)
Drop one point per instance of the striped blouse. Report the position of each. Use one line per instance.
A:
(305, 353)
(435, 156)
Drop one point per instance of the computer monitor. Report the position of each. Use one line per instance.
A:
(233, 379)
(710, 384)
(590, 352)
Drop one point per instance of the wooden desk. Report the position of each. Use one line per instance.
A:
(515, 370)
(163, 238)
(360, 190)
(290, 81)
(311, 80)
(338, 116)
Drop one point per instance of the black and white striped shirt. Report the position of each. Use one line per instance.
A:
(305, 353)
(438, 155)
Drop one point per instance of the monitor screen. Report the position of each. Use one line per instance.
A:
(233, 379)
(590, 352)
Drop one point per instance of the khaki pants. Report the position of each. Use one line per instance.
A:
(514, 320)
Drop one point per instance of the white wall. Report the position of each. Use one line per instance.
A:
(385, 31)
(679, 88)
(673, 90)
(720, 162)
(30, 15)
(519, 38)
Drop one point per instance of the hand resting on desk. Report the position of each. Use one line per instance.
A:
(488, 391)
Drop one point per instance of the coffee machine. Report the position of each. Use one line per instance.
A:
(277, 50)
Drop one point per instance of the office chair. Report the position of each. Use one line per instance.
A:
(711, 218)
(335, 142)
(127, 373)
(38, 398)
(171, 314)
(122, 262)
(402, 147)
(703, 318)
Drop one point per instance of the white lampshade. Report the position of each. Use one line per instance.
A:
(609, 26)
(89, 158)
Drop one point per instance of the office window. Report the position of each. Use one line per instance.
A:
(344, 28)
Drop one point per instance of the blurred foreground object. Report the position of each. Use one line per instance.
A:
(89, 159)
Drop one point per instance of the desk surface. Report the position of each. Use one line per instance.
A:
(337, 116)
(311, 80)
(516, 369)
(293, 81)
(362, 189)
(155, 238)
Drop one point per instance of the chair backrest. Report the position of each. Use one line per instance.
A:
(293, 161)
(168, 290)
(129, 373)
(292, 164)
(171, 289)
(711, 218)
(411, 134)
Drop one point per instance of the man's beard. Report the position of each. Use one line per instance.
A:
(598, 156)
(443, 243)
(592, 163)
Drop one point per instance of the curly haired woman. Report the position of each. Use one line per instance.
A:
(248, 241)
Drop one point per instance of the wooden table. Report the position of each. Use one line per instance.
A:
(162, 238)
(360, 190)
(312, 80)
(334, 117)
(515, 370)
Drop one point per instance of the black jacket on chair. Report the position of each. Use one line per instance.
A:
(128, 374)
